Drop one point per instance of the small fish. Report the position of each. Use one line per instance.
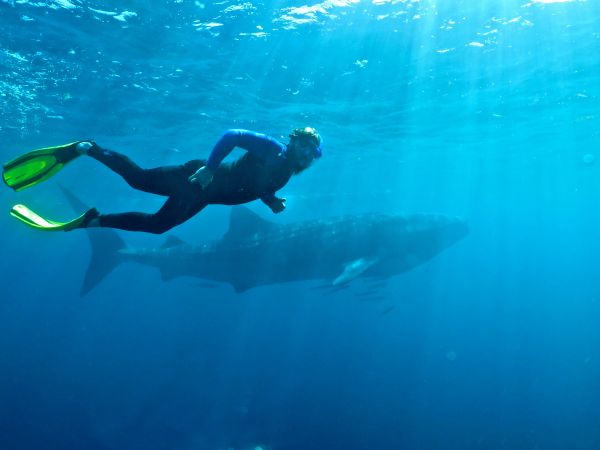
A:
(376, 284)
(373, 298)
(205, 285)
(387, 310)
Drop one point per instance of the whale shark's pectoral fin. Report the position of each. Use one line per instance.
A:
(240, 286)
(353, 270)
(167, 274)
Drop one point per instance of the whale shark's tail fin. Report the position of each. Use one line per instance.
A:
(105, 243)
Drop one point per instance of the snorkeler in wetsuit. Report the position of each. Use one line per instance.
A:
(265, 168)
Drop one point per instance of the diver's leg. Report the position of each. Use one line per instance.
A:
(175, 211)
(166, 180)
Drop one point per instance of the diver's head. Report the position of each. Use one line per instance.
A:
(305, 146)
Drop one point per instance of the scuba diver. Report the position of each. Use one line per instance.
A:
(265, 168)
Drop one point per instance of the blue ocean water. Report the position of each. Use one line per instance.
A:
(487, 110)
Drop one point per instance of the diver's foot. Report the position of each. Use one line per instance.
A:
(89, 220)
(94, 223)
(84, 147)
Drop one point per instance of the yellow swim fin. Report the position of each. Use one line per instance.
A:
(30, 218)
(38, 165)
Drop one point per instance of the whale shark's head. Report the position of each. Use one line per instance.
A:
(447, 229)
(416, 238)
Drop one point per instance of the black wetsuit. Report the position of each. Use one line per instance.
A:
(258, 174)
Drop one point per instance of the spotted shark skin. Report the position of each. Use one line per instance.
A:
(256, 252)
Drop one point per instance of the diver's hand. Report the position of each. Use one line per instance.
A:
(277, 205)
(203, 176)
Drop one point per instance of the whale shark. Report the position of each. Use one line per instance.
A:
(256, 252)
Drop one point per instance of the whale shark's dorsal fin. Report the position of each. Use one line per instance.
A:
(172, 241)
(244, 223)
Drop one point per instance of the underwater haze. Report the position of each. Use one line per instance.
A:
(487, 110)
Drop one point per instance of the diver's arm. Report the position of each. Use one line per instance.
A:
(276, 204)
(259, 144)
